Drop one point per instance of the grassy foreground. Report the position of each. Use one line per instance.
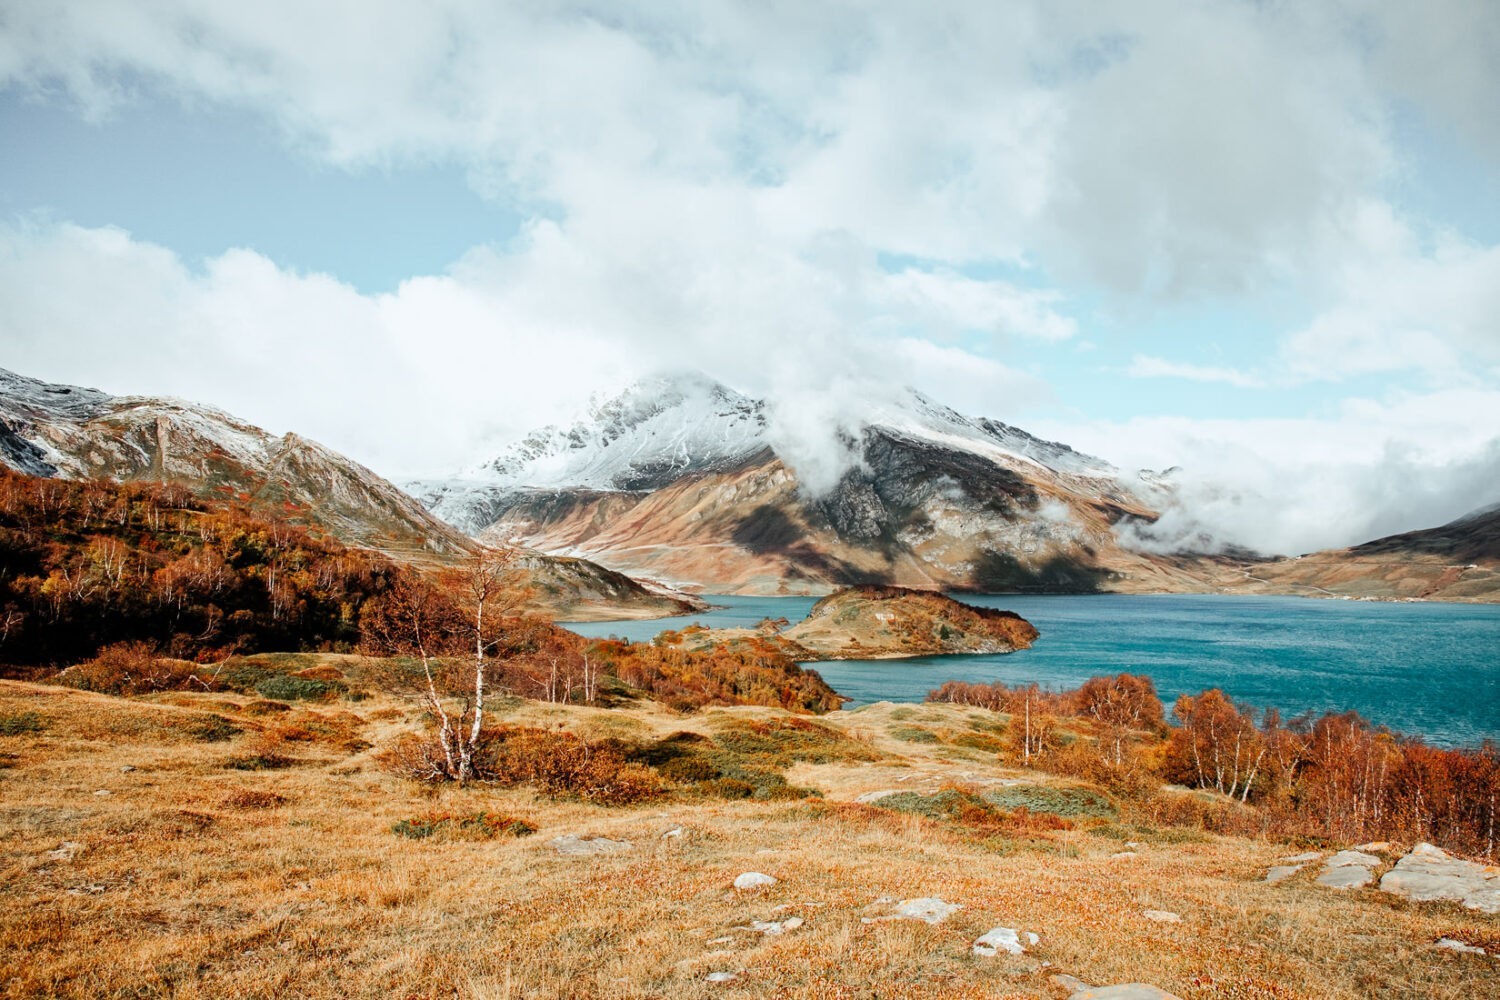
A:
(217, 845)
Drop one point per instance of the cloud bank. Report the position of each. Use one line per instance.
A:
(818, 202)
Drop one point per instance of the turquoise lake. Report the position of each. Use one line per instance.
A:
(1431, 670)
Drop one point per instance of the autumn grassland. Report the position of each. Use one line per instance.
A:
(228, 844)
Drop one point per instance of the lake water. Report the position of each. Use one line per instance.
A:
(1427, 669)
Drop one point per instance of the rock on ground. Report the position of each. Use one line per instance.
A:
(1450, 944)
(929, 909)
(572, 845)
(1279, 872)
(1006, 939)
(1348, 870)
(1121, 991)
(1429, 873)
(753, 880)
(1162, 916)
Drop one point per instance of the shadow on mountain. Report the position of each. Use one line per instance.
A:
(1000, 572)
(768, 531)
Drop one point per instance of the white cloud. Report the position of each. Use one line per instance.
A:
(1146, 366)
(715, 185)
(1371, 468)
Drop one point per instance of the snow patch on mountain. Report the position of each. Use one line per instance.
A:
(664, 428)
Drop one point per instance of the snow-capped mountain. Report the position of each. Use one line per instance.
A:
(686, 480)
(72, 432)
(652, 434)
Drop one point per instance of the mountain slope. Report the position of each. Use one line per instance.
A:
(680, 479)
(78, 433)
(1458, 561)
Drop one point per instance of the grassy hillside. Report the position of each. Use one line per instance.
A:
(218, 844)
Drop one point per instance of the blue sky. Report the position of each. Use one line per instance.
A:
(1258, 241)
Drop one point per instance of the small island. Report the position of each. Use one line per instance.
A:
(883, 623)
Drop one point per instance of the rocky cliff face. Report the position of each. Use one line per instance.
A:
(691, 489)
(76, 433)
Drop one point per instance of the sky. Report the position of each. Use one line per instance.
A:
(1257, 241)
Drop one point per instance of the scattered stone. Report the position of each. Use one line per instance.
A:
(1429, 873)
(676, 831)
(928, 909)
(753, 880)
(1360, 858)
(1123, 991)
(869, 797)
(1279, 872)
(771, 928)
(1348, 870)
(103, 792)
(90, 889)
(1346, 877)
(1454, 945)
(65, 851)
(1302, 859)
(1069, 983)
(1134, 845)
(1122, 854)
(573, 846)
(127, 769)
(1006, 939)
(722, 977)
(1162, 916)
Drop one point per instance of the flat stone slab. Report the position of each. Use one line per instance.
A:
(1348, 870)
(1123, 991)
(875, 796)
(771, 928)
(1449, 944)
(573, 846)
(1346, 877)
(1162, 916)
(928, 909)
(1360, 858)
(1006, 939)
(1429, 873)
(754, 880)
(1280, 872)
(1303, 858)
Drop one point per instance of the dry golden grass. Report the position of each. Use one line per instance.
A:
(192, 879)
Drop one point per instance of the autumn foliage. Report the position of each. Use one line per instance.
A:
(1337, 777)
(85, 565)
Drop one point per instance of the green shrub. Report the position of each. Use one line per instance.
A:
(260, 762)
(1069, 802)
(912, 734)
(16, 723)
(471, 826)
(213, 729)
(282, 687)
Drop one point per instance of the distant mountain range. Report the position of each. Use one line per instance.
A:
(1458, 561)
(78, 433)
(681, 479)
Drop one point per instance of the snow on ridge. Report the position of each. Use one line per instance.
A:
(665, 426)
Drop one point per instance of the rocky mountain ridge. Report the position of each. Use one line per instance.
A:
(682, 479)
(73, 432)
